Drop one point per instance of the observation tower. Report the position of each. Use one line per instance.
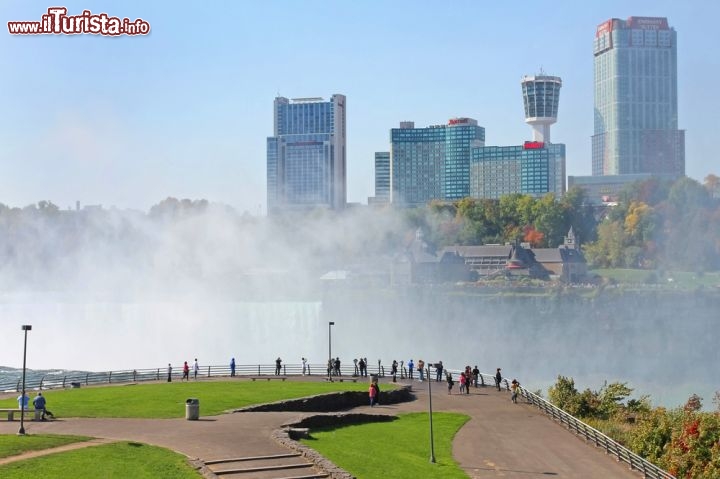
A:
(541, 96)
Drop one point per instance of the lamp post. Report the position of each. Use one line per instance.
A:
(26, 328)
(330, 325)
(432, 442)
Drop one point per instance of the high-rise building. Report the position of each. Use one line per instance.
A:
(382, 177)
(636, 110)
(434, 162)
(534, 168)
(306, 162)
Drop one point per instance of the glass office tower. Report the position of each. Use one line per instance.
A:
(306, 162)
(432, 163)
(636, 111)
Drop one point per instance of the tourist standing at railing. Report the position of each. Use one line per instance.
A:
(278, 365)
(304, 363)
(411, 366)
(476, 375)
(330, 367)
(498, 379)
(421, 369)
(337, 367)
(362, 367)
(394, 370)
(439, 369)
(186, 371)
(196, 369)
(169, 373)
(232, 367)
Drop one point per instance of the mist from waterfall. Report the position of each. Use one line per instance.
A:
(109, 290)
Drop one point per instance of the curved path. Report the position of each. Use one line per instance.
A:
(501, 440)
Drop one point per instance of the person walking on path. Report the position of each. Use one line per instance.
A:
(196, 369)
(498, 379)
(476, 375)
(450, 382)
(463, 382)
(278, 365)
(232, 367)
(186, 372)
(421, 369)
(514, 388)
(372, 392)
(39, 403)
(169, 373)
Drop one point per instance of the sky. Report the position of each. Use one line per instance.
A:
(185, 111)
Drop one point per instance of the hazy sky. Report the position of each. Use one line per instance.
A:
(185, 111)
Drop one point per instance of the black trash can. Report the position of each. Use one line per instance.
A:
(192, 409)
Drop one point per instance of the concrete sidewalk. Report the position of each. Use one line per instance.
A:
(501, 440)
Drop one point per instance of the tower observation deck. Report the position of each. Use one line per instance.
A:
(541, 96)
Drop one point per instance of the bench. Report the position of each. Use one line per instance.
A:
(268, 377)
(340, 379)
(11, 413)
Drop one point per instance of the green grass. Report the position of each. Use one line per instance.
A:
(12, 444)
(680, 279)
(120, 460)
(399, 449)
(167, 400)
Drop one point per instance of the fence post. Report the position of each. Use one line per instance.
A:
(209, 371)
(64, 378)
(41, 382)
(158, 374)
(258, 370)
(110, 377)
(134, 374)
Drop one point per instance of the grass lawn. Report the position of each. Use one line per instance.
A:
(12, 444)
(680, 279)
(121, 460)
(399, 449)
(167, 400)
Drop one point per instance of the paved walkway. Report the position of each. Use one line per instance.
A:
(501, 440)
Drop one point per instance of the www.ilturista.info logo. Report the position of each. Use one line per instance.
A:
(58, 22)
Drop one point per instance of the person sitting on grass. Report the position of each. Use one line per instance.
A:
(39, 403)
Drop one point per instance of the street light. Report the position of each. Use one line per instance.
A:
(26, 328)
(330, 325)
(432, 442)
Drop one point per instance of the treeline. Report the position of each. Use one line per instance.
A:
(685, 441)
(655, 224)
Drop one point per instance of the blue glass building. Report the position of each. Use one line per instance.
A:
(432, 163)
(534, 168)
(636, 110)
(306, 162)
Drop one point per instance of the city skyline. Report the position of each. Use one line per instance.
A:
(184, 112)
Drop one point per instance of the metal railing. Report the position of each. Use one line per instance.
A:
(594, 436)
(34, 381)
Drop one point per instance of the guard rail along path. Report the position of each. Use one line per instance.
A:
(600, 440)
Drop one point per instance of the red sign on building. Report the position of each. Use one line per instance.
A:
(533, 145)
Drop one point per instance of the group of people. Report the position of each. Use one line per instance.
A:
(39, 403)
(196, 370)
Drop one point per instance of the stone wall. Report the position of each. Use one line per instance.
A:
(333, 402)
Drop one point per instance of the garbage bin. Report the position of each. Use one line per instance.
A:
(192, 409)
